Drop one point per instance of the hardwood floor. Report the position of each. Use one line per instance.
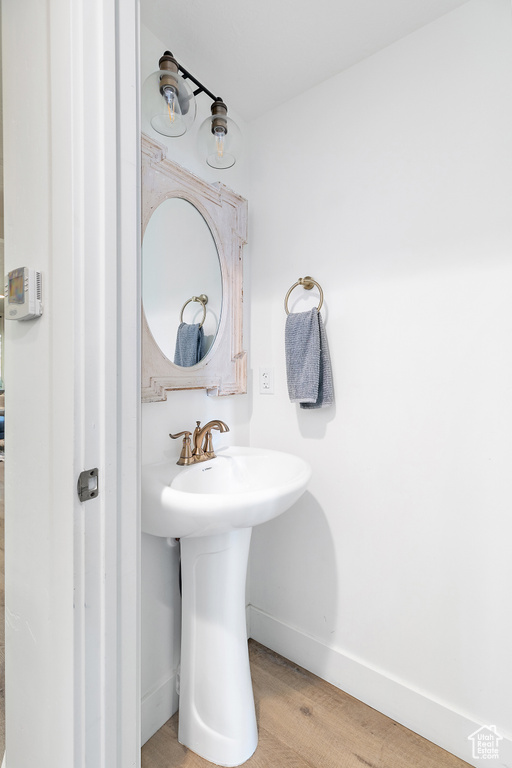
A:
(304, 722)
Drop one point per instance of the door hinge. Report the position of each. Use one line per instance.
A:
(87, 486)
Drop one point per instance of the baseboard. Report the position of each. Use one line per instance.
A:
(431, 719)
(158, 705)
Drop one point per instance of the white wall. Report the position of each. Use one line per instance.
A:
(160, 595)
(392, 575)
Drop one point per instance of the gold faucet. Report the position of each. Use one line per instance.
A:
(202, 442)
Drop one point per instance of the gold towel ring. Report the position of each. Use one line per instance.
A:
(307, 283)
(202, 299)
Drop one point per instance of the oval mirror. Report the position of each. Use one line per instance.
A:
(181, 282)
(175, 268)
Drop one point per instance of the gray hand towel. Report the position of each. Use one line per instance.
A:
(189, 344)
(308, 363)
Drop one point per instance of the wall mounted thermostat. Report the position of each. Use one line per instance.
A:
(23, 299)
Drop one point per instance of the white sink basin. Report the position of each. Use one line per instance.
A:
(212, 507)
(240, 488)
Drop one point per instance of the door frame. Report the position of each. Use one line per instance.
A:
(72, 211)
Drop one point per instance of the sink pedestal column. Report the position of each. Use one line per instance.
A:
(217, 719)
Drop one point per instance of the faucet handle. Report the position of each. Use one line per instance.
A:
(186, 450)
(208, 445)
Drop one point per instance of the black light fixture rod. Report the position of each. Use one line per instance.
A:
(201, 88)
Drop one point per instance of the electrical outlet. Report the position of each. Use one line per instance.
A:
(266, 381)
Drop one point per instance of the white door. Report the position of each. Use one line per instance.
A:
(71, 169)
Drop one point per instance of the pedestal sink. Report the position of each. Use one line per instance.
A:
(212, 507)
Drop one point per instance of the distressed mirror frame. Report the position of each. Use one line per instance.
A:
(223, 370)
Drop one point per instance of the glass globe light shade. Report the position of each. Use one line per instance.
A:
(169, 103)
(220, 141)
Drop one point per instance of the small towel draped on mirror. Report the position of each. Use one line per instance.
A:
(308, 363)
(189, 344)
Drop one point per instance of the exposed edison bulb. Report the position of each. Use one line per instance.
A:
(172, 105)
(220, 136)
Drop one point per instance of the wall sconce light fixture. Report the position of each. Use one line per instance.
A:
(169, 102)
